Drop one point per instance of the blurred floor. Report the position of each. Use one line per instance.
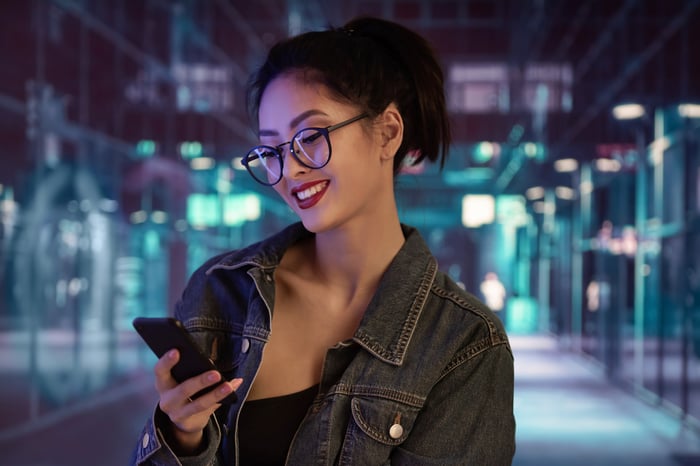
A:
(567, 416)
(101, 431)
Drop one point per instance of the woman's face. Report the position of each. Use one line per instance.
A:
(354, 179)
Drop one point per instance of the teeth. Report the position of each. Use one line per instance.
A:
(307, 193)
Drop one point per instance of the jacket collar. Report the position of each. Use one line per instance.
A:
(265, 254)
(391, 316)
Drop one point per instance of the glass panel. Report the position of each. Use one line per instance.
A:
(673, 177)
(652, 328)
(594, 294)
(692, 172)
(693, 324)
(560, 316)
(671, 318)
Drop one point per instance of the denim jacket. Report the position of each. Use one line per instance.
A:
(427, 378)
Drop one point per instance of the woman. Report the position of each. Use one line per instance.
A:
(344, 343)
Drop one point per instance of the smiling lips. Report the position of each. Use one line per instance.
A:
(308, 194)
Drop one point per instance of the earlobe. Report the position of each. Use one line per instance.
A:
(391, 131)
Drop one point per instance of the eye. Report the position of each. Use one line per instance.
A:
(309, 136)
(264, 153)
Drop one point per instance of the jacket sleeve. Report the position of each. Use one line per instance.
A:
(153, 448)
(468, 416)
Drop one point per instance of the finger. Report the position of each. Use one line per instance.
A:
(192, 415)
(214, 397)
(209, 402)
(227, 388)
(173, 399)
(183, 405)
(194, 385)
(222, 390)
(164, 378)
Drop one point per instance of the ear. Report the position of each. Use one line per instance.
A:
(391, 131)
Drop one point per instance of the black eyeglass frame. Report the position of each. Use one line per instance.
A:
(277, 150)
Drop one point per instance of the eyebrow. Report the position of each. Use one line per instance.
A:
(295, 121)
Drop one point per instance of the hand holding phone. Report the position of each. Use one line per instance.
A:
(163, 334)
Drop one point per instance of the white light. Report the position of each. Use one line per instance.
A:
(564, 192)
(608, 165)
(109, 205)
(240, 208)
(629, 241)
(158, 216)
(542, 207)
(689, 110)
(477, 210)
(586, 187)
(530, 149)
(566, 165)
(236, 163)
(8, 205)
(657, 149)
(628, 111)
(139, 216)
(536, 192)
(202, 163)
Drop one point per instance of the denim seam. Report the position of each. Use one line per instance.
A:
(210, 324)
(398, 396)
(496, 337)
(395, 353)
(469, 354)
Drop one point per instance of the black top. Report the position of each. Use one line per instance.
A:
(267, 426)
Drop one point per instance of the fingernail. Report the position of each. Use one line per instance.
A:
(172, 354)
(213, 377)
(236, 383)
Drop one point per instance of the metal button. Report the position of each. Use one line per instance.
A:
(245, 345)
(145, 439)
(268, 276)
(396, 431)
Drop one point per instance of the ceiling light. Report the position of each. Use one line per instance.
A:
(566, 165)
(564, 192)
(608, 165)
(689, 110)
(541, 207)
(536, 192)
(628, 111)
(202, 163)
(237, 163)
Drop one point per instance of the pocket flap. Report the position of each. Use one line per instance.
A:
(385, 421)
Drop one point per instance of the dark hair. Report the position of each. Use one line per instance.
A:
(370, 62)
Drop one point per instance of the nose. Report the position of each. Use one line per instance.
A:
(291, 167)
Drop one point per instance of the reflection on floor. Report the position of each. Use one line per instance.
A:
(567, 416)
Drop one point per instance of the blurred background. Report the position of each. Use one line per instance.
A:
(570, 204)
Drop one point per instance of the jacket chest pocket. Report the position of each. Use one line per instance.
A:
(376, 426)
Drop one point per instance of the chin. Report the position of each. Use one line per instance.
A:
(316, 224)
(313, 225)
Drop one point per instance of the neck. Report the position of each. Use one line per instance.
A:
(352, 259)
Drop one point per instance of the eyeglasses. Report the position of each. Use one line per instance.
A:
(311, 147)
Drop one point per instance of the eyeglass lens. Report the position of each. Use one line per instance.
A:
(310, 148)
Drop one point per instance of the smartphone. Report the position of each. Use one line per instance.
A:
(162, 334)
